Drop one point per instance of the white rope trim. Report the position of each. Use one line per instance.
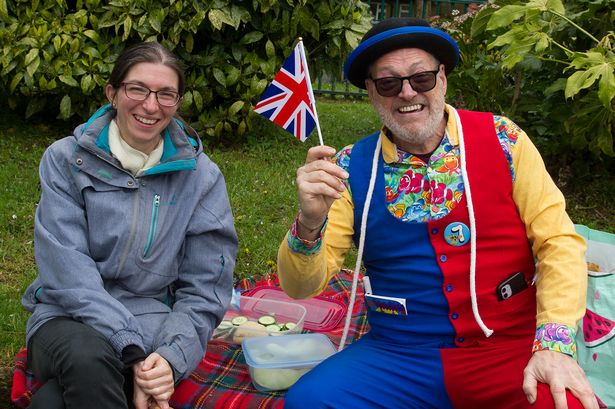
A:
(355, 276)
(466, 182)
(462, 156)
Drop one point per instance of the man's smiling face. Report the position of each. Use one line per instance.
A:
(415, 119)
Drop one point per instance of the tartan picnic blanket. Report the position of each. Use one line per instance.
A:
(221, 380)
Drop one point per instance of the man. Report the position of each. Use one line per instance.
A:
(462, 208)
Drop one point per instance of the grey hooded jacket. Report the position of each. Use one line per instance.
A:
(146, 261)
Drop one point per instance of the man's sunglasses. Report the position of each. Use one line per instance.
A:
(420, 82)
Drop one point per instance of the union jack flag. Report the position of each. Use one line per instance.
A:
(289, 101)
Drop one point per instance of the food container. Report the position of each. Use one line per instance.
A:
(260, 317)
(322, 314)
(276, 363)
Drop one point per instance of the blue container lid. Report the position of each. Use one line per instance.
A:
(289, 351)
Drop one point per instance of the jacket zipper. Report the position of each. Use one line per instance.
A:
(152, 226)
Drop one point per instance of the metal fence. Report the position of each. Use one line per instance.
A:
(382, 9)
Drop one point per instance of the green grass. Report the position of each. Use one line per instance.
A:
(260, 179)
(21, 146)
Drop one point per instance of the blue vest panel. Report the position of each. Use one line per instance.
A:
(399, 260)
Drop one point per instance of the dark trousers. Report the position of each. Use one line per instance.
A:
(78, 367)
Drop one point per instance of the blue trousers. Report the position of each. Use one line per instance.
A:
(369, 374)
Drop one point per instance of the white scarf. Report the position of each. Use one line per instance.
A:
(133, 160)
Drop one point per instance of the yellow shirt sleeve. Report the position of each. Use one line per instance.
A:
(561, 281)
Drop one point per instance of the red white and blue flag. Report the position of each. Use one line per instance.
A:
(289, 100)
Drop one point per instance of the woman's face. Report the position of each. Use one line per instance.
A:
(142, 122)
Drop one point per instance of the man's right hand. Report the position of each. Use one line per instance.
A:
(319, 184)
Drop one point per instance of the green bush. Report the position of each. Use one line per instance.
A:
(547, 64)
(57, 54)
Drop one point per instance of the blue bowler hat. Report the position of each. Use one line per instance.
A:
(395, 33)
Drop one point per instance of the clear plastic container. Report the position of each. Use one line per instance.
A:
(323, 314)
(238, 324)
(276, 363)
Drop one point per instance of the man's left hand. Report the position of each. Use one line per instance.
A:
(560, 372)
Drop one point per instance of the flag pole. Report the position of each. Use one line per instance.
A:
(309, 85)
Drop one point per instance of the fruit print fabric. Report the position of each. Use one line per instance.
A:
(596, 329)
(596, 337)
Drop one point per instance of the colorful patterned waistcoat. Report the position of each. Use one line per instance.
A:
(428, 264)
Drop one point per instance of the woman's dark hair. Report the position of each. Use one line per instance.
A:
(148, 52)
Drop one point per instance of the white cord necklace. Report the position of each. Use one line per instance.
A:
(466, 182)
(355, 276)
(372, 181)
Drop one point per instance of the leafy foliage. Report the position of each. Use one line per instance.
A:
(57, 54)
(549, 65)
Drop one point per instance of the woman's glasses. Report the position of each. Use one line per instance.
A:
(140, 93)
(420, 82)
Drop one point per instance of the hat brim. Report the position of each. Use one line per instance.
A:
(434, 41)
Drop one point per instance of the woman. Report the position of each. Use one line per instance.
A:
(135, 247)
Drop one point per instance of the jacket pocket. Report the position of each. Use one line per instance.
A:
(151, 236)
(158, 243)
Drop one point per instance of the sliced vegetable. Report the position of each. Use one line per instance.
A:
(288, 326)
(238, 320)
(225, 324)
(266, 320)
(247, 330)
(225, 329)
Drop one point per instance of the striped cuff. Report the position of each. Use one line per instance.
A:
(306, 247)
(556, 337)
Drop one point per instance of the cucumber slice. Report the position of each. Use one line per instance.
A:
(248, 329)
(238, 320)
(225, 324)
(266, 320)
(225, 333)
(224, 330)
(288, 326)
(274, 328)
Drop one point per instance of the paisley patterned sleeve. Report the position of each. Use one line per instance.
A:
(556, 337)
(507, 132)
(298, 245)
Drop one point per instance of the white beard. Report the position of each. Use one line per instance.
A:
(413, 135)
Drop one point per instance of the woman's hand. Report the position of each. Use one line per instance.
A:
(154, 378)
(318, 185)
(140, 399)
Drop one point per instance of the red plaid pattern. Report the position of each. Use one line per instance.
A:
(222, 380)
